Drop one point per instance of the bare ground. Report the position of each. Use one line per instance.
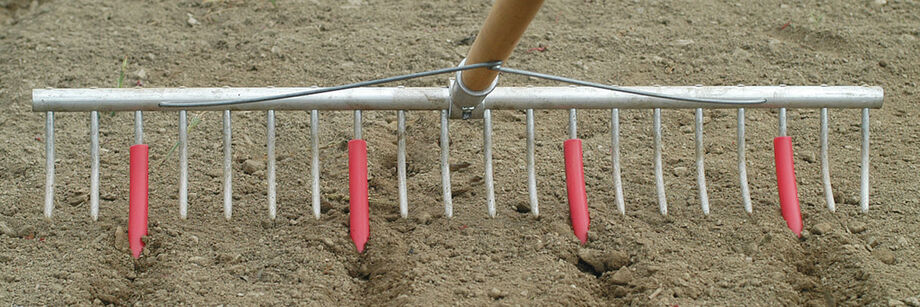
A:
(728, 258)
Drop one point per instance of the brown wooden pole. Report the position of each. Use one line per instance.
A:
(499, 35)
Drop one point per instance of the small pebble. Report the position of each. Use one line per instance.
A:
(191, 20)
(496, 294)
(809, 157)
(902, 241)
(681, 171)
(202, 261)
(328, 242)
(873, 242)
(140, 74)
(912, 301)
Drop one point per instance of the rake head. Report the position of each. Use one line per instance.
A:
(473, 94)
(402, 100)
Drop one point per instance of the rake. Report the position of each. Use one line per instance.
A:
(472, 94)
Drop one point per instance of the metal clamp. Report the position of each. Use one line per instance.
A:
(469, 102)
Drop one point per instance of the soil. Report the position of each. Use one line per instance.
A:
(642, 258)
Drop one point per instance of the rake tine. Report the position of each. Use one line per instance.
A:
(139, 184)
(314, 170)
(864, 169)
(94, 175)
(573, 124)
(401, 162)
(659, 177)
(359, 131)
(358, 213)
(49, 163)
(272, 197)
(782, 121)
(183, 164)
(487, 152)
(786, 182)
(228, 167)
(531, 169)
(700, 169)
(138, 127)
(575, 181)
(742, 165)
(825, 164)
(445, 166)
(615, 143)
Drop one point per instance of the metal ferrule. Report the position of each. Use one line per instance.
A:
(466, 103)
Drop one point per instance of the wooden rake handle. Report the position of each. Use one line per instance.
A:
(500, 33)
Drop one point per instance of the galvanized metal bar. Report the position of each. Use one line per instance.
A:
(825, 164)
(401, 162)
(742, 166)
(138, 127)
(183, 164)
(531, 166)
(615, 144)
(864, 169)
(228, 166)
(409, 98)
(270, 135)
(487, 153)
(314, 166)
(700, 169)
(49, 164)
(445, 165)
(659, 176)
(94, 172)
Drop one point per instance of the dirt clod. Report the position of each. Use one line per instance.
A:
(77, 198)
(121, 238)
(822, 228)
(885, 256)
(522, 207)
(7, 230)
(424, 218)
(623, 276)
(253, 166)
(857, 227)
(603, 261)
